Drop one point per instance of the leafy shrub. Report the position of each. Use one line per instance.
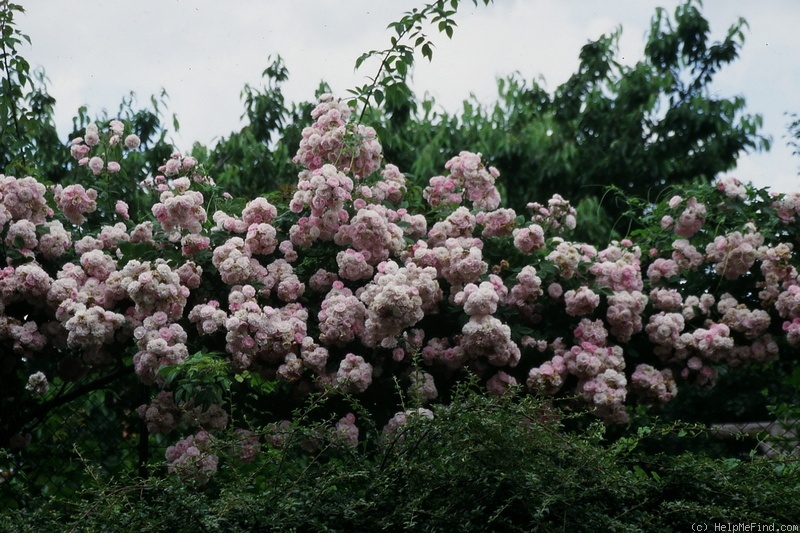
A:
(480, 464)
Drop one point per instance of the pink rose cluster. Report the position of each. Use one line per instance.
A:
(458, 260)
(497, 223)
(527, 290)
(732, 187)
(263, 336)
(153, 287)
(567, 256)
(193, 457)
(22, 199)
(160, 343)
(529, 239)
(347, 430)
(371, 233)
(618, 267)
(393, 430)
(181, 209)
(353, 285)
(396, 299)
(324, 190)
(468, 176)
(484, 335)
(81, 147)
(599, 370)
(558, 216)
(389, 188)
(178, 168)
(354, 374)
(734, 254)
(787, 207)
(333, 140)
(654, 385)
(689, 221)
(342, 316)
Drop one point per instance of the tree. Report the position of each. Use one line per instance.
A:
(258, 159)
(28, 138)
(639, 128)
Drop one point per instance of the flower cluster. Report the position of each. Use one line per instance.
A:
(484, 335)
(396, 299)
(161, 415)
(467, 176)
(354, 374)
(81, 147)
(558, 216)
(394, 428)
(691, 218)
(264, 336)
(235, 263)
(787, 207)
(734, 254)
(178, 168)
(347, 431)
(341, 316)
(37, 383)
(180, 208)
(529, 239)
(624, 314)
(192, 458)
(160, 343)
(618, 267)
(372, 233)
(325, 191)
(390, 188)
(153, 287)
(653, 385)
(332, 140)
(74, 202)
(208, 317)
(91, 327)
(22, 199)
(354, 286)
(731, 187)
(497, 223)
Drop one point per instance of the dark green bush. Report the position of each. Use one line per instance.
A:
(483, 464)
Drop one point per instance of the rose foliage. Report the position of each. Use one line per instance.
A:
(363, 283)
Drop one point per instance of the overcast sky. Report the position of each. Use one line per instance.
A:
(202, 52)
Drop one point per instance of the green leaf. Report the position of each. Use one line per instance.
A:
(427, 51)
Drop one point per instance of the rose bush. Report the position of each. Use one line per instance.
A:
(364, 280)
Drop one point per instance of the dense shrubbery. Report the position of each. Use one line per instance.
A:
(482, 464)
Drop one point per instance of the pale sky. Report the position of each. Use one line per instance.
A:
(202, 52)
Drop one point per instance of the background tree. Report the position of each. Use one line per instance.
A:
(258, 158)
(793, 130)
(28, 139)
(639, 128)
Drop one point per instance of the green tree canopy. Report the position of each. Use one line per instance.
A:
(639, 128)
